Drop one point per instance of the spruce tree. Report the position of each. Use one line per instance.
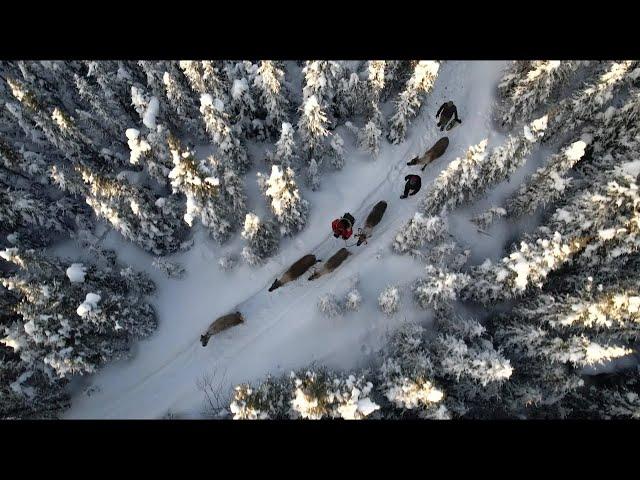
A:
(411, 98)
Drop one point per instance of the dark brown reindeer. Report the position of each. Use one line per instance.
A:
(295, 271)
(331, 264)
(220, 324)
(433, 153)
(372, 220)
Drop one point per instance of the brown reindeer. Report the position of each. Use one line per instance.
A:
(220, 324)
(331, 264)
(372, 220)
(295, 270)
(434, 152)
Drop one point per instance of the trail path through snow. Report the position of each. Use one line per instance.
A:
(283, 329)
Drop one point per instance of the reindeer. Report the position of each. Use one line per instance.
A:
(295, 270)
(434, 152)
(331, 264)
(220, 324)
(372, 220)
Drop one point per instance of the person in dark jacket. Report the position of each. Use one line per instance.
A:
(446, 112)
(343, 227)
(413, 185)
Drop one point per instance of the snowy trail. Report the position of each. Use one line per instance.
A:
(283, 329)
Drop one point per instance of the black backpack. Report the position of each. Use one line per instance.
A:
(349, 217)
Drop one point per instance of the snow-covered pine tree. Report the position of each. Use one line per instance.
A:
(196, 182)
(269, 400)
(133, 211)
(514, 72)
(22, 162)
(243, 108)
(533, 87)
(418, 232)
(547, 184)
(110, 113)
(583, 317)
(320, 80)
(570, 114)
(606, 403)
(469, 177)
(262, 238)
(510, 156)
(194, 73)
(29, 128)
(613, 133)
(215, 80)
(35, 219)
(217, 124)
(396, 74)
(349, 96)
(57, 126)
(370, 135)
(469, 367)
(151, 152)
(285, 153)
(286, 203)
(154, 71)
(183, 103)
(71, 324)
(594, 227)
(376, 81)
(406, 376)
(312, 127)
(213, 191)
(161, 106)
(410, 100)
(324, 394)
(438, 289)
(308, 394)
(115, 79)
(204, 77)
(39, 78)
(26, 392)
(269, 81)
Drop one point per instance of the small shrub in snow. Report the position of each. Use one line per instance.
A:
(353, 300)
(336, 153)
(484, 219)
(389, 300)
(313, 177)
(227, 262)
(170, 269)
(328, 305)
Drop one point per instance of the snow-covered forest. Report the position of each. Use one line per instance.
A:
(142, 200)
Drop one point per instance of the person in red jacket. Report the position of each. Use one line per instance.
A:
(343, 227)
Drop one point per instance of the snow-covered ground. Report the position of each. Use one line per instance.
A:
(283, 329)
